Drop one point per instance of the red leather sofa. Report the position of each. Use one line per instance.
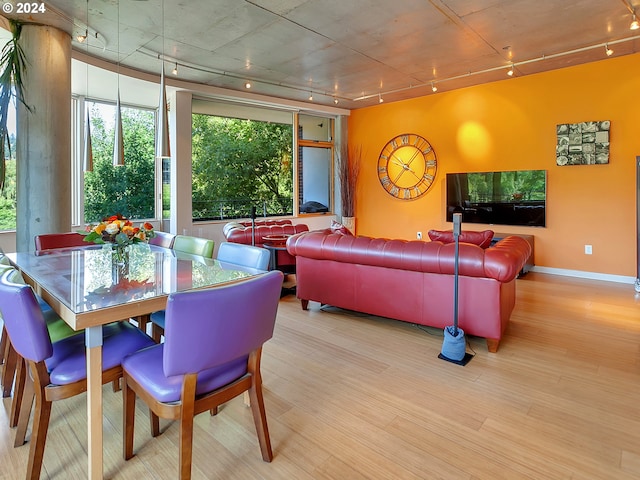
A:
(242, 232)
(411, 280)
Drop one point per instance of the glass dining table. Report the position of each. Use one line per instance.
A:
(87, 289)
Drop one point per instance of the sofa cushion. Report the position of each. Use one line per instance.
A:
(482, 239)
(337, 227)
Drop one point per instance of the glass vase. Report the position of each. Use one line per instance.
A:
(119, 262)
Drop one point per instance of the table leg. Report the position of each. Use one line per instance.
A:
(93, 342)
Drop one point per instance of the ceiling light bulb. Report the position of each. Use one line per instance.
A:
(311, 97)
(510, 71)
(247, 85)
(634, 23)
(175, 69)
(434, 89)
(82, 38)
(608, 51)
(335, 100)
(380, 99)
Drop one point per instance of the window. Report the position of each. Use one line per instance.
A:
(315, 157)
(8, 194)
(128, 189)
(243, 157)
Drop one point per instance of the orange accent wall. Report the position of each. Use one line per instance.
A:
(511, 125)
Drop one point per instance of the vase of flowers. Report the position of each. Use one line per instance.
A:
(120, 233)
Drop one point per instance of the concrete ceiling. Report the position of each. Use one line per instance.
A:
(350, 51)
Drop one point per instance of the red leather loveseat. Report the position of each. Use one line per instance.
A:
(242, 232)
(411, 280)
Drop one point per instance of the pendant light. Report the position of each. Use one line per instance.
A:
(118, 145)
(163, 148)
(88, 148)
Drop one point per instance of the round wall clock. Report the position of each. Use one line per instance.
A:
(407, 166)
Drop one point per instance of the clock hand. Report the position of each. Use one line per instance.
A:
(415, 154)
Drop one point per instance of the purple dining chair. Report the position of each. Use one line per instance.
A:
(57, 370)
(211, 354)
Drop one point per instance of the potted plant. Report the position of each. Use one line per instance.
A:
(348, 170)
(12, 67)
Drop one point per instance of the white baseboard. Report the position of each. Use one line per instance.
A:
(588, 275)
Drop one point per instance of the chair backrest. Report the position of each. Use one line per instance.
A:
(23, 318)
(49, 241)
(163, 239)
(211, 327)
(194, 245)
(244, 255)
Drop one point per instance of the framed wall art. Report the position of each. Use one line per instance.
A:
(585, 143)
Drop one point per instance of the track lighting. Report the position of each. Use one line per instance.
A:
(175, 69)
(634, 22)
(83, 38)
(310, 96)
(380, 99)
(335, 100)
(434, 89)
(607, 50)
(510, 71)
(247, 85)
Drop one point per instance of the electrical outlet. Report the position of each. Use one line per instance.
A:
(419, 235)
(588, 250)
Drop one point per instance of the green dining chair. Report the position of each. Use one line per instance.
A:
(185, 244)
(194, 245)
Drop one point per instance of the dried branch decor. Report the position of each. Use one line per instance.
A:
(349, 168)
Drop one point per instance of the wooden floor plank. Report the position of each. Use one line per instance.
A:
(361, 397)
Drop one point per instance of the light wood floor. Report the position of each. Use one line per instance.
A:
(350, 396)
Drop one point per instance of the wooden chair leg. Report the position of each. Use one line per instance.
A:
(186, 425)
(128, 417)
(9, 370)
(18, 391)
(143, 321)
(3, 345)
(154, 423)
(42, 413)
(156, 332)
(260, 420)
(24, 410)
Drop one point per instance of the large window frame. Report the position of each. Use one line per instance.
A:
(78, 120)
(228, 109)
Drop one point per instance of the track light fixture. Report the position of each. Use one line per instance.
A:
(634, 22)
(175, 69)
(83, 38)
(311, 96)
(434, 89)
(380, 99)
(510, 71)
(335, 100)
(607, 50)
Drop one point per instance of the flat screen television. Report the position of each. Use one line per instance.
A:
(500, 198)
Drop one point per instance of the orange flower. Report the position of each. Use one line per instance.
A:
(100, 228)
(128, 230)
(147, 226)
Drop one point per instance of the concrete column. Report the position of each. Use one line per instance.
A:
(180, 137)
(43, 151)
